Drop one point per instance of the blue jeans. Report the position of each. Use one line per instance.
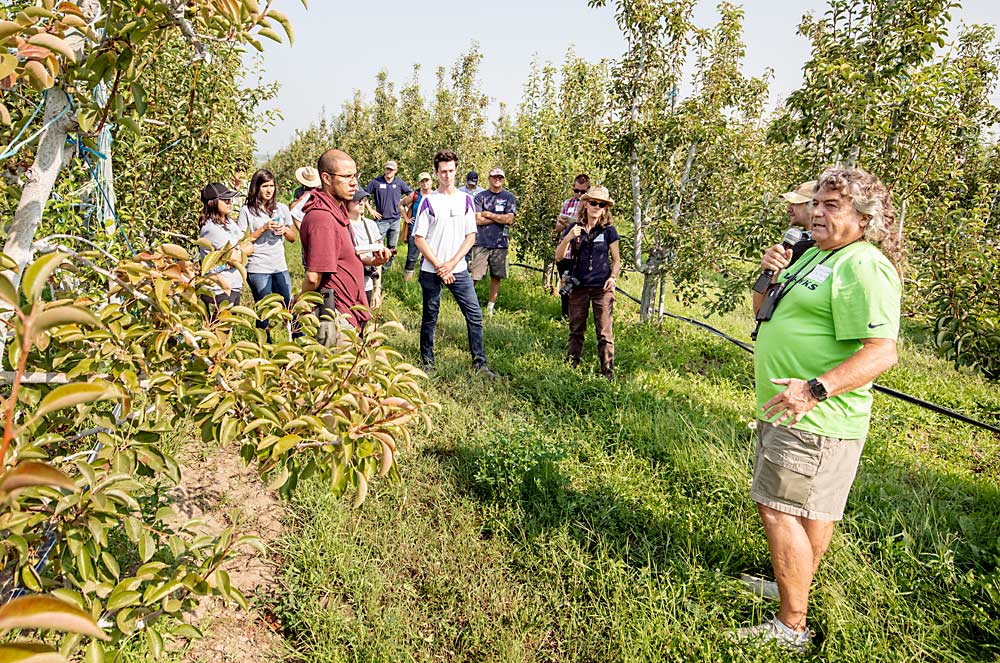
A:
(262, 285)
(464, 292)
(412, 252)
(390, 235)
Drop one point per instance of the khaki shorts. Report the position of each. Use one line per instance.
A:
(482, 257)
(802, 473)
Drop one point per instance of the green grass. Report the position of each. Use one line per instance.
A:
(552, 516)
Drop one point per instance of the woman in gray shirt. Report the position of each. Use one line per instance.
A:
(270, 225)
(222, 232)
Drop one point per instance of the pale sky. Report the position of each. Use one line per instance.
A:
(341, 46)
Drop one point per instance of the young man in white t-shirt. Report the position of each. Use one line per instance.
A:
(444, 231)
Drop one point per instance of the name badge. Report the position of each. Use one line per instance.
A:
(381, 186)
(819, 273)
(498, 207)
(599, 239)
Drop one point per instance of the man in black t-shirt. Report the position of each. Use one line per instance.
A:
(495, 209)
(800, 215)
(388, 193)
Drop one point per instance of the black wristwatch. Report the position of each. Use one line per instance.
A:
(817, 389)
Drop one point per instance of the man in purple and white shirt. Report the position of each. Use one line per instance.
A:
(444, 232)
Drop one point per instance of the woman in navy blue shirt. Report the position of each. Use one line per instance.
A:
(592, 244)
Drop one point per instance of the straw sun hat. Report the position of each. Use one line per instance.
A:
(600, 194)
(308, 176)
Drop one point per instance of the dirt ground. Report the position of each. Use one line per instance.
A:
(211, 488)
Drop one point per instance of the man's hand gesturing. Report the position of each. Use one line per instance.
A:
(790, 405)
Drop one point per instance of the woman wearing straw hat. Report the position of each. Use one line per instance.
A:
(592, 244)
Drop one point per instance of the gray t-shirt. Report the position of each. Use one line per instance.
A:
(220, 236)
(473, 192)
(443, 221)
(269, 249)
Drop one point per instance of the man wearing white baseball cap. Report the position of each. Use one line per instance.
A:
(495, 209)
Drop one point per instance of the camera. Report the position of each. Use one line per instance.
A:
(569, 282)
(766, 310)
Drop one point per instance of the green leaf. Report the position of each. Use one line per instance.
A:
(284, 444)
(37, 274)
(94, 652)
(155, 642)
(122, 598)
(64, 315)
(6, 262)
(146, 546)
(34, 473)
(139, 94)
(7, 291)
(71, 395)
(47, 613)
(187, 631)
(223, 583)
(29, 652)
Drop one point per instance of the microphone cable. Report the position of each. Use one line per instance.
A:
(888, 391)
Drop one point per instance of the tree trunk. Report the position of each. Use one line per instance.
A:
(648, 298)
(662, 297)
(41, 178)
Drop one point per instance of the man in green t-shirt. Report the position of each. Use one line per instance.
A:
(831, 334)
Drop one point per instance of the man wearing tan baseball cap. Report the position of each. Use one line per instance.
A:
(800, 215)
(798, 200)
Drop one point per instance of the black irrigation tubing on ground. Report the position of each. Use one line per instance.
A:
(913, 400)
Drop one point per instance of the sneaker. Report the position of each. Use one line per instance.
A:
(772, 631)
(489, 310)
(428, 368)
(765, 589)
(485, 371)
(408, 275)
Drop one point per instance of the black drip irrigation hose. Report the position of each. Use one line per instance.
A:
(907, 398)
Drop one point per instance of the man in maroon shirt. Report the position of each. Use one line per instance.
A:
(332, 265)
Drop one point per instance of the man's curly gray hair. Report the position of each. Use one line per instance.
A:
(872, 200)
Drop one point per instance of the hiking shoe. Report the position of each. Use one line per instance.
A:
(485, 371)
(765, 589)
(428, 368)
(772, 631)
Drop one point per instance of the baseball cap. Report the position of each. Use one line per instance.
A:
(360, 195)
(803, 193)
(497, 171)
(472, 176)
(217, 190)
(424, 176)
(391, 164)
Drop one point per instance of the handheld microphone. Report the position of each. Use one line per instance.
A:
(788, 240)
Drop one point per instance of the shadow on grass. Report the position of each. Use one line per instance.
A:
(652, 473)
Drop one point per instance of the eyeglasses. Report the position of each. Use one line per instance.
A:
(580, 191)
(496, 177)
(345, 176)
(594, 203)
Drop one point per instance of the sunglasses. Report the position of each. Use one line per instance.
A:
(594, 203)
(580, 191)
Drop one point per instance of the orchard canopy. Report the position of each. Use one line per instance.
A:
(113, 115)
